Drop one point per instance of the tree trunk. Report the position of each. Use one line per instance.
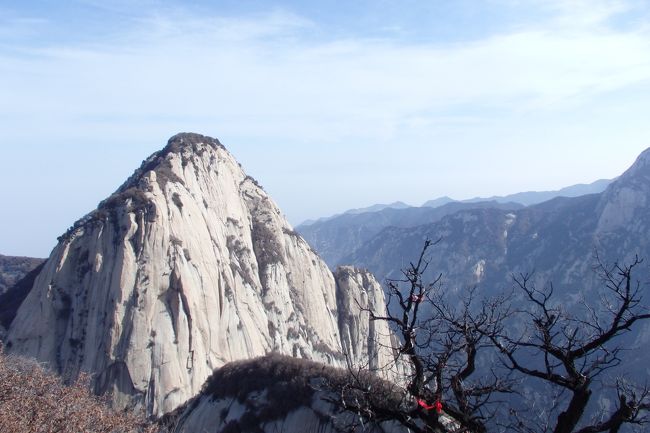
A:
(568, 419)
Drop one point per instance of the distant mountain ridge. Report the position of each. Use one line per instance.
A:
(555, 238)
(373, 208)
(338, 236)
(533, 197)
(525, 198)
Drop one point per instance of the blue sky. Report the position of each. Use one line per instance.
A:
(330, 105)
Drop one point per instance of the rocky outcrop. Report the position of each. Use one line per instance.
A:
(187, 266)
(13, 269)
(358, 292)
(625, 199)
(12, 298)
(281, 394)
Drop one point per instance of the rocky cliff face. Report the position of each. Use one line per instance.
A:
(358, 290)
(622, 205)
(187, 266)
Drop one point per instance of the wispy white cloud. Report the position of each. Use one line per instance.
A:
(577, 16)
(586, 13)
(166, 26)
(264, 68)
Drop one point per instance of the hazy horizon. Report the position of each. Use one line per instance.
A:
(330, 106)
(41, 244)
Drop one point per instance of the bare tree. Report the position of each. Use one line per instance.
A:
(440, 343)
(464, 356)
(569, 351)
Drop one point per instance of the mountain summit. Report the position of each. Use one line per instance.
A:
(187, 266)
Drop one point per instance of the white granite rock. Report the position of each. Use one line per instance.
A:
(188, 266)
(625, 197)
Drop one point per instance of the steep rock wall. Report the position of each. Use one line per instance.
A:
(188, 266)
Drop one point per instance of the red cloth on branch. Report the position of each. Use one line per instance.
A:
(437, 405)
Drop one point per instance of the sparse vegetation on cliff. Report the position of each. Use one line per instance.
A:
(288, 384)
(12, 269)
(34, 400)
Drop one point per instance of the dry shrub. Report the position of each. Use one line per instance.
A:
(35, 400)
(291, 383)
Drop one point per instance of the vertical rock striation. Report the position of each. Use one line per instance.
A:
(358, 290)
(187, 266)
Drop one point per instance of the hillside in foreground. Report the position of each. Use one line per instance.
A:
(33, 399)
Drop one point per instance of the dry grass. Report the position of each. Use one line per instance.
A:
(33, 400)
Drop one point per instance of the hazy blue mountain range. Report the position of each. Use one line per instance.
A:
(557, 241)
(338, 236)
(557, 238)
(533, 197)
(373, 208)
